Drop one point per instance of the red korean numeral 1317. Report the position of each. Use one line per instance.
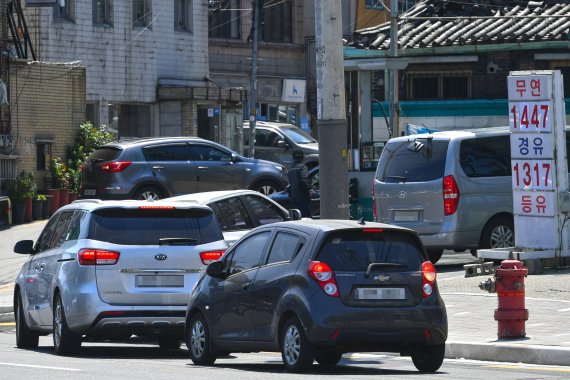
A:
(533, 116)
(530, 174)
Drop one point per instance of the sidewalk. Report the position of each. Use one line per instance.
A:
(472, 328)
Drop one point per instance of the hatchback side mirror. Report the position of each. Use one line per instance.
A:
(215, 269)
(295, 214)
(25, 247)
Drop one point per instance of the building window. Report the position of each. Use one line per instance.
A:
(183, 15)
(224, 19)
(142, 13)
(130, 120)
(43, 155)
(277, 21)
(373, 4)
(65, 13)
(438, 85)
(102, 12)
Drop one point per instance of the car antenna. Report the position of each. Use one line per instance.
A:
(361, 221)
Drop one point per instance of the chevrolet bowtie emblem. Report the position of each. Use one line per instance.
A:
(381, 278)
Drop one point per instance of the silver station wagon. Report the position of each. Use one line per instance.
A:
(109, 269)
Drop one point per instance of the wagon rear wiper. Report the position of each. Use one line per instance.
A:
(382, 265)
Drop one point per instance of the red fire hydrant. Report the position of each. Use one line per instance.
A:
(509, 285)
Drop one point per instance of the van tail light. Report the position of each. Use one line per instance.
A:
(89, 256)
(115, 166)
(428, 278)
(208, 257)
(450, 195)
(374, 213)
(324, 276)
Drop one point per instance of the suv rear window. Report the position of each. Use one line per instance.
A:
(354, 251)
(486, 157)
(104, 154)
(147, 227)
(417, 160)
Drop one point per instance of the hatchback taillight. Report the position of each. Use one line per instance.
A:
(428, 278)
(115, 166)
(208, 257)
(450, 195)
(324, 276)
(89, 256)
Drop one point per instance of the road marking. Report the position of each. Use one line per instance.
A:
(530, 368)
(463, 313)
(535, 325)
(8, 324)
(40, 366)
(564, 310)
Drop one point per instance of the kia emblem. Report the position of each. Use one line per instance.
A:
(160, 256)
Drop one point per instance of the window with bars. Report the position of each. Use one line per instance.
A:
(102, 12)
(277, 21)
(438, 85)
(373, 4)
(65, 13)
(183, 15)
(142, 13)
(224, 19)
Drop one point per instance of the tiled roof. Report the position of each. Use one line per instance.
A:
(435, 23)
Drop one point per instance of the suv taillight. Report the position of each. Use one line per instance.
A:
(324, 276)
(450, 195)
(428, 278)
(89, 256)
(114, 167)
(208, 257)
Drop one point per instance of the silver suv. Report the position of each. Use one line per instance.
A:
(453, 188)
(109, 269)
(164, 167)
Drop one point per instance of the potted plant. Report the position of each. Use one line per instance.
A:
(21, 192)
(37, 206)
(60, 183)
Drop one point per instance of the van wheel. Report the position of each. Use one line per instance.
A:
(498, 233)
(428, 358)
(65, 341)
(266, 187)
(434, 255)
(25, 338)
(148, 192)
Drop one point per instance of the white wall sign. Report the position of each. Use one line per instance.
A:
(537, 145)
(530, 116)
(533, 203)
(293, 90)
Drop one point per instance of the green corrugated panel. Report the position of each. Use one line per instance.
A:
(450, 108)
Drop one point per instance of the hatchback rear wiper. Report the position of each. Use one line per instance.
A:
(400, 178)
(176, 241)
(382, 265)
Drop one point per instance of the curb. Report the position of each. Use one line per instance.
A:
(508, 352)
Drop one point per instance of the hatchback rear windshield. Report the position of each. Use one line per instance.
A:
(104, 154)
(354, 251)
(154, 227)
(416, 160)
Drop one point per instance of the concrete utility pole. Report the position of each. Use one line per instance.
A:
(331, 110)
(394, 120)
(253, 80)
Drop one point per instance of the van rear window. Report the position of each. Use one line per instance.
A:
(415, 160)
(148, 227)
(354, 251)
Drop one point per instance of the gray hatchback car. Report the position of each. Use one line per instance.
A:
(453, 188)
(164, 167)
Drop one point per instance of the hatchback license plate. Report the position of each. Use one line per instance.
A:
(380, 293)
(144, 281)
(89, 192)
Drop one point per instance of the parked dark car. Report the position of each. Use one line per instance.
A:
(315, 289)
(163, 167)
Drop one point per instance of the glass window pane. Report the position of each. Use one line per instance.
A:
(247, 254)
(265, 211)
(234, 214)
(284, 248)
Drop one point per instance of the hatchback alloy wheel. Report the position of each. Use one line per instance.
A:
(198, 341)
(298, 354)
(292, 345)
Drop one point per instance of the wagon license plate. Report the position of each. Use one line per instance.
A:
(406, 216)
(380, 293)
(144, 281)
(89, 192)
